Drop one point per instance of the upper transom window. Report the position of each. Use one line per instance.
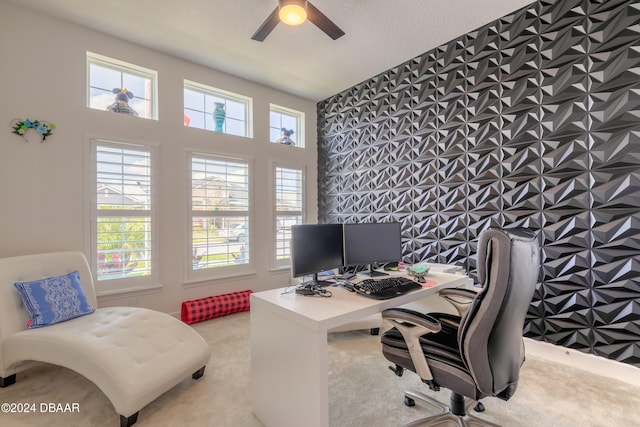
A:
(286, 126)
(121, 87)
(214, 109)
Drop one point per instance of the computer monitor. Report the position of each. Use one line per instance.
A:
(315, 248)
(369, 243)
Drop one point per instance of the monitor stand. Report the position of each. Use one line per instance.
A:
(375, 273)
(316, 282)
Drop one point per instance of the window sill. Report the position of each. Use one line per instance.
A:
(123, 293)
(286, 147)
(194, 283)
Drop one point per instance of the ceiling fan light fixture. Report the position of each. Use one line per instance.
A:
(293, 12)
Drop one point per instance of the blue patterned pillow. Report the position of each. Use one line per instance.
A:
(54, 299)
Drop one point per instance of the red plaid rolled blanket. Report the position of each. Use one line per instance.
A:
(216, 306)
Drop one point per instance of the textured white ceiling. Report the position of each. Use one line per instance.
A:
(380, 34)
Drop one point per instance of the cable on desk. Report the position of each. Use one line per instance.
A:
(307, 291)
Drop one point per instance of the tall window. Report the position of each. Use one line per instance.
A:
(122, 225)
(134, 84)
(217, 110)
(286, 126)
(289, 184)
(220, 231)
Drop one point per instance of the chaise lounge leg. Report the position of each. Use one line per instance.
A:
(7, 381)
(197, 374)
(128, 421)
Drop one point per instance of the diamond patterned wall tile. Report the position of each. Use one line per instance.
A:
(532, 121)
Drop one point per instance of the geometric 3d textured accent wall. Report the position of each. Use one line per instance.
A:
(531, 121)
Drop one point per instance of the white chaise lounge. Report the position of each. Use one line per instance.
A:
(132, 354)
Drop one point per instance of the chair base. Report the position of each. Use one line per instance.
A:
(446, 418)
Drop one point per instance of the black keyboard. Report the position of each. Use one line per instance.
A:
(385, 288)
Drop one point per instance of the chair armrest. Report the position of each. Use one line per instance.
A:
(413, 317)
(459, 298)
(412, 325)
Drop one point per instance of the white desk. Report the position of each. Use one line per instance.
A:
(289, 351)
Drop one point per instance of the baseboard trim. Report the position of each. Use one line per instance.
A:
(587, 362)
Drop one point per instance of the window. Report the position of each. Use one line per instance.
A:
(122, 225)
(220, 224)
(286, 126)
(289, 183)
(106, 75)
(217, 110)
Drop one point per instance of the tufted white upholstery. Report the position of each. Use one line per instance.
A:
(132, 354)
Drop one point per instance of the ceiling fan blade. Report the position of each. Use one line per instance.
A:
(321, 21)
(267, 26)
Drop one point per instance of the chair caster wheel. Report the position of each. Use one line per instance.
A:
(479, 407)
(409, 401)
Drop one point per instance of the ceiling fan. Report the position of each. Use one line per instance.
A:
(295, 12)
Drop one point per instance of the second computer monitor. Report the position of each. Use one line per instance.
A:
(371, 243)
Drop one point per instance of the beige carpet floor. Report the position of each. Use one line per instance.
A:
(363, 392)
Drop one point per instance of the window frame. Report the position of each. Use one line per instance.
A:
(281, 263)
(126, 284)
(193, 275)
(225, 95)
(300, 124)
(123, 67)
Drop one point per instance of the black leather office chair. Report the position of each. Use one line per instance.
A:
(479, 352)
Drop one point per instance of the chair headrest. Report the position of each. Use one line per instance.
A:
(484, 246)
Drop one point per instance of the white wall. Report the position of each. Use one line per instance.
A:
(42, 194)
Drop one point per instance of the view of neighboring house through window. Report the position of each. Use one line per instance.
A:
(122, 224)
(106, 74)
(289, 182)
(219, 212)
